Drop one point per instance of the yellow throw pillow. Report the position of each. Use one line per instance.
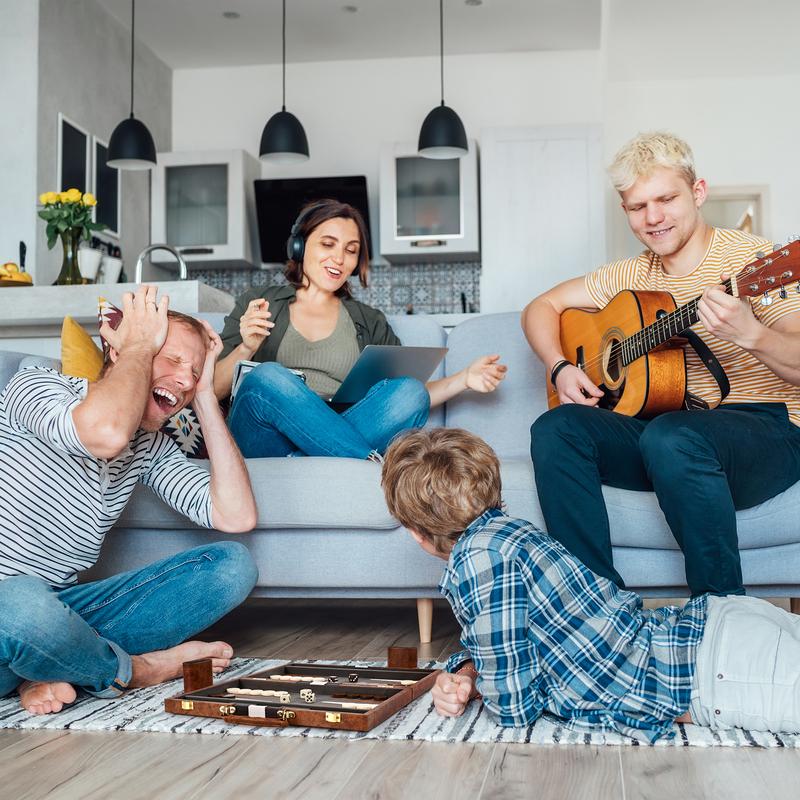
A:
(80, 356)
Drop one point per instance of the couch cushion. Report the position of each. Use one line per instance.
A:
(637, 521)
(291, 493)
(518, 400)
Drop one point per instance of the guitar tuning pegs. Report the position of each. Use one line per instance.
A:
(767, 299)
(782, 293)
(760, 254)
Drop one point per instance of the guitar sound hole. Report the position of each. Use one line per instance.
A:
(612, 363)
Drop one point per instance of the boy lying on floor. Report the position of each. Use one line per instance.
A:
(544, 634)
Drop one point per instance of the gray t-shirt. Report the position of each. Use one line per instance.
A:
(325, 362)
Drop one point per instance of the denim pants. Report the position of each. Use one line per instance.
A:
(85, 634)
(747, 673)
(276, 414)
(702, 465)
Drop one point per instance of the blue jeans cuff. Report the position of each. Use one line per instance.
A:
(122, 681)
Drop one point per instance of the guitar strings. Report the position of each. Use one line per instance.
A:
(658, 328)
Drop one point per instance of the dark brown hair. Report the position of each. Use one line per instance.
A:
(438, 480)
(322, 211)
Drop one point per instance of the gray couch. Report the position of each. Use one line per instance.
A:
(324, 530)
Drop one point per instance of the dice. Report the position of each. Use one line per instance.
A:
(307, 695)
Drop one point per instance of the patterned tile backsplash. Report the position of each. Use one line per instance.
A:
(394, 289)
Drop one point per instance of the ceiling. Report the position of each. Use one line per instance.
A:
(188, 34)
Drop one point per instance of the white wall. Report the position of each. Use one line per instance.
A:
(19, 51)
(723, 76)
(349, 108)
(84, 72)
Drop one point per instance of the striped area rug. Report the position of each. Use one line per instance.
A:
(143, 710)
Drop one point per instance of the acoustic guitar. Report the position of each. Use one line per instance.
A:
(632, 350)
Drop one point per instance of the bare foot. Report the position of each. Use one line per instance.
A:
(45, 698)
(163, 665)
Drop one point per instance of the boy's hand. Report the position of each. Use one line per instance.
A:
(451, 693)
(485, 373)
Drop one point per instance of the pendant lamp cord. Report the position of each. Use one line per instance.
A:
(441, 46)
(133, 18)
(283, 37)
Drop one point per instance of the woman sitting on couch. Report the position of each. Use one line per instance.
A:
(314, 325)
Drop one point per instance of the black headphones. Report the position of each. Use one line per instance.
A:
(296, 243)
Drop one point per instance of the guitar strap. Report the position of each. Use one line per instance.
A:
(711, 363)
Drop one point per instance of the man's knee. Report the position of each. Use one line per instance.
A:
(234, 571)
(667, 444)
(27, 604)
(550, 430)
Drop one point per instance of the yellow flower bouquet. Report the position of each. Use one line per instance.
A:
(68, 216)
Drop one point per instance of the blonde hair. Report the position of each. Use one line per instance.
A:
(437, 481)
(646, 153)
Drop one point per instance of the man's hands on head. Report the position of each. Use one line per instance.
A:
(573, 386)
(206, 382)
(144, 323)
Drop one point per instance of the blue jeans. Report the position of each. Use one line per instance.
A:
(276, 414)
(85, 635)
(702, 465)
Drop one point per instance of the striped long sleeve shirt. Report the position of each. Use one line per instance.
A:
(546, 634)
(57, 500)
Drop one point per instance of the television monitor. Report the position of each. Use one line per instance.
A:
(279, 200)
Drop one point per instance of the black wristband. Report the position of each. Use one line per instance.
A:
(559, 365)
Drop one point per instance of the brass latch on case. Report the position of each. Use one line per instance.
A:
(285, 714)
(187, 705)
(333, 716)
(227, 710)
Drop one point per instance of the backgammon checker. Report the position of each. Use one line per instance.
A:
(309, 695)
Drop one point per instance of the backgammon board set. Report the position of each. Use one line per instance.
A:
(309, 695)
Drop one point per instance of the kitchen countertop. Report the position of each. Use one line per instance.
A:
(38, 311)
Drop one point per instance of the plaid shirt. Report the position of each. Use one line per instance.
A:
(546, 634)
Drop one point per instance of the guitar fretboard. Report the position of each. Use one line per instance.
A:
(670, 324)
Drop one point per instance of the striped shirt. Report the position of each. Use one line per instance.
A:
(57, 501)
(751, 381)
(546, 634)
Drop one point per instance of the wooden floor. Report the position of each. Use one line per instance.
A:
(61, 764)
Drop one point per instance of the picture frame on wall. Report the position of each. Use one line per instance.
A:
(73, 161)
(107, 189)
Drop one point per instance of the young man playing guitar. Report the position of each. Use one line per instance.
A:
(703, 461)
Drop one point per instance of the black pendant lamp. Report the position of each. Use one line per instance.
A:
(283, 140)
(131, 145)
(442, 134)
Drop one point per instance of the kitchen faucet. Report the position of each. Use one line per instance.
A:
(183, 273)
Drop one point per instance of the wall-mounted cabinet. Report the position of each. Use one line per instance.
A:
(429, 207)
(202, 204)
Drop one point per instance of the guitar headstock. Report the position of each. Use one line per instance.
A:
(776, 271)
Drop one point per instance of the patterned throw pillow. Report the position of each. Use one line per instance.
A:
(184, 427)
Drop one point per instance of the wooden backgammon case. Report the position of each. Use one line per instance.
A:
(309, 695)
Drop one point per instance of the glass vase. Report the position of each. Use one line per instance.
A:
(70, 273)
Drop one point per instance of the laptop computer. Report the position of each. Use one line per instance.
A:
(377, 362)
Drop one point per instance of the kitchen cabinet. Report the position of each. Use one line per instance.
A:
(428, 207)
(542, 210)
(203, 204)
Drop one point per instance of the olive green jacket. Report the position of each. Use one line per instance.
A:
(371, 325)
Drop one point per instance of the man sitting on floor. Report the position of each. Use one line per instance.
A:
(73, 454)
(545, 634)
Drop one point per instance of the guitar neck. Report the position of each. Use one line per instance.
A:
(664, 328)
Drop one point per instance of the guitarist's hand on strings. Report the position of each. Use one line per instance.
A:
(728, 318)
(573, 386)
